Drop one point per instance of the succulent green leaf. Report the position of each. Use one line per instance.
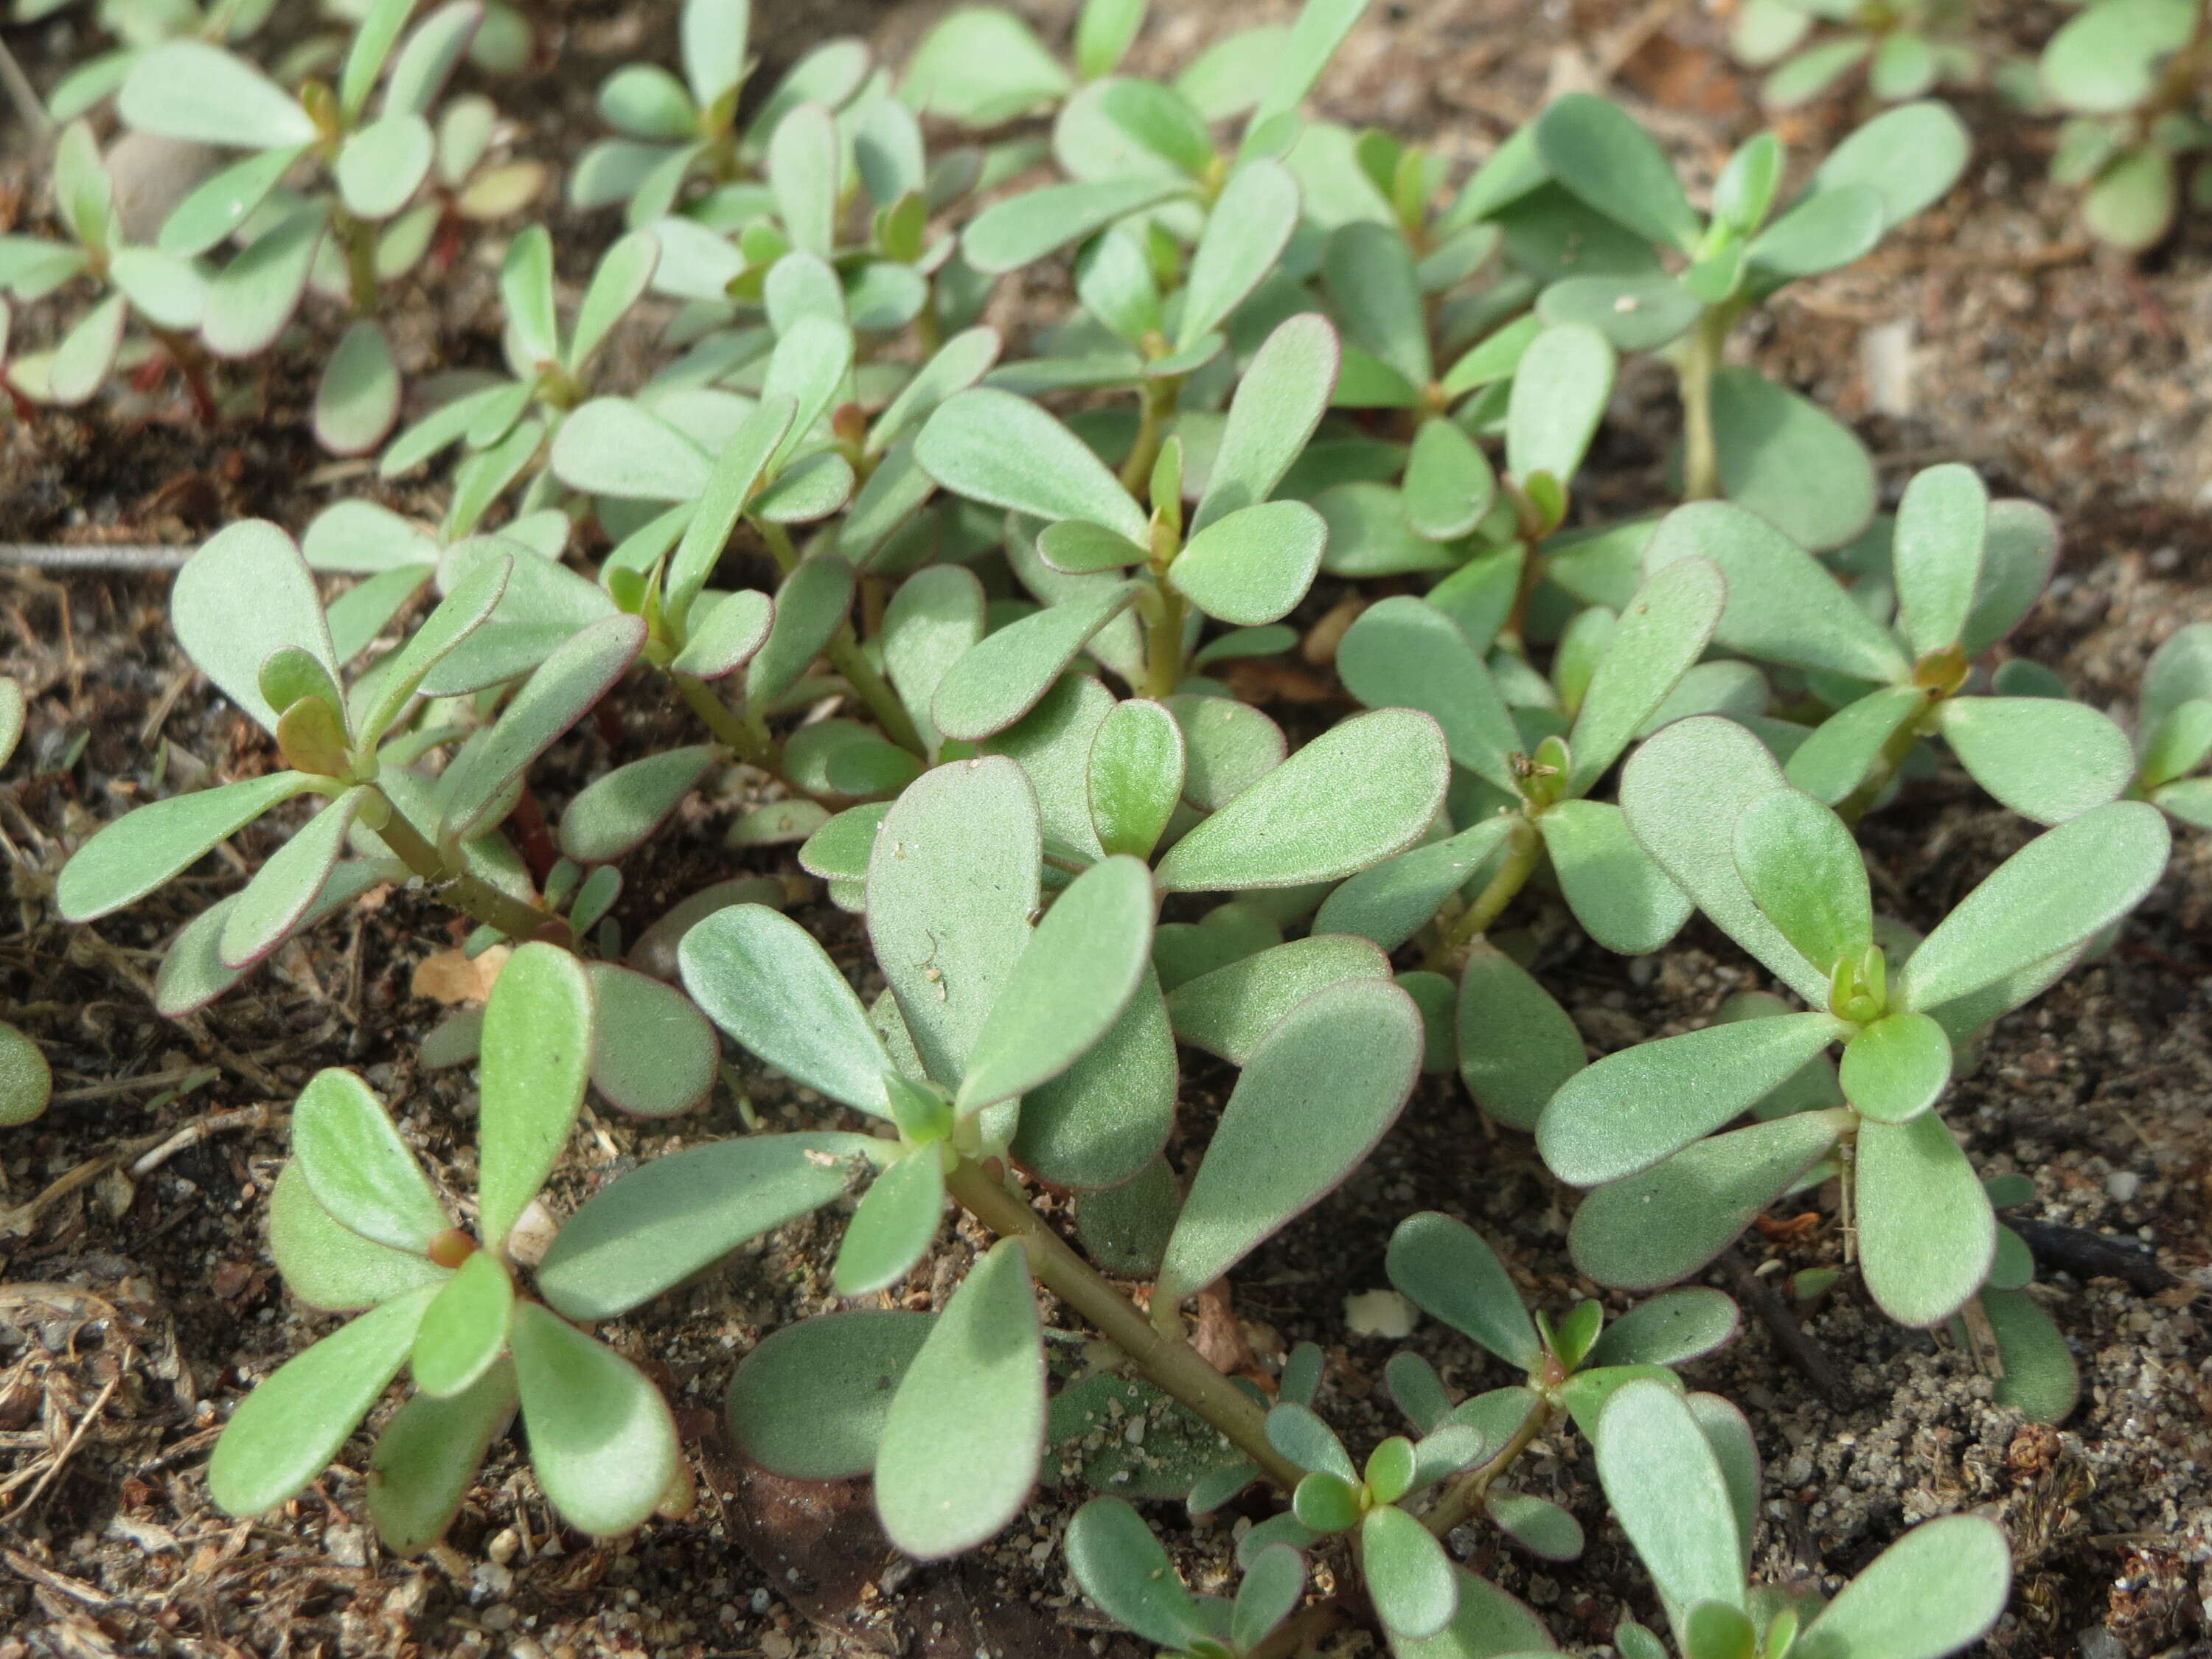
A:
(285, 886)
(1005, 675)
(1272, 415)
(1537, 1524)
(1934, 1591)
(1617, 891)
(428, 1456)
(254, 297)
(982, 66)
(1230, 746)
(731, 484)
(1408, 1572)
(763, 978)
(1804, 872)
(2062, 888)
(602, 1441)
(809, 1402)
(952, 881)
(1942, 526)
(360, 1172)
(130, 858)
(2046, 759)
(561, 692)
(1103, 1121)
(1665, 1224)
(1912, 155)
(1559, 394)
(811, 606)
(1595, 149)
(1378, 296)
(245, 595)
(1355, 795)
(1319, 1090)
(1404, 653)
(1273, 1583)
(617, 813)
(291, 1426)
(679, 1214)
(893, 1229)
(1025, 228)
(1670, 1329)
(993, 447)
(1246, 230)
(1231, 1011)
(1122, 1568)
(1489, 1623)
(1134, 776)
(1683, 791)
(1782, 606)
(536, 1053)
(612, 446)
(1448, 485)
(87, 352)
(1077, 972)
(1635, 312)
(1896, 1067)
(463, 1332)
(804, 162)
(1843, 750)
(2040, 1379)
(1825, 231)
(381, 166)
(1253, 566)
(1926, 1233)
(1789, 461)
(1518, 1047)
(653, 1054)
(331, 1267)
(1635, 1108)
(194, 91)
(1663, 632)
(1390, 902)
(965, 1432)
(1669, 1491)
(1451, 1273)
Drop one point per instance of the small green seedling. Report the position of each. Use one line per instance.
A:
(1778, 873)
(674, 129)
(1906, 48)
(349, 233)
(355, 1226)
(1895, 655)
(164, 292)
(2173, 727)
(1586, 169)
(2131, 76)
(1682, 1474)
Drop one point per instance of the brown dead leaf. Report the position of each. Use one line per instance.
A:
(453, 976)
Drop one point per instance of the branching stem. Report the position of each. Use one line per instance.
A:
(1164, 635)
(1157, 404)
(1176, 1367)
(746, 738)
(1524, 850)
(358, 238)
(466, 892)
(1694, 369)
(846, 656)
(1465, 1494)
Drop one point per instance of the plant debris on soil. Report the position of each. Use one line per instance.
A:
(138, 1304)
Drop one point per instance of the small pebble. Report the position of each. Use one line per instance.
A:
(1380, 1313)
(2122, 1185)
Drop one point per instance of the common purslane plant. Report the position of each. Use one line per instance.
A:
(969, 620)
(2132, 76)
(1907, 48)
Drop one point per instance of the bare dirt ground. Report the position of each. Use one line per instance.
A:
(138, 1303)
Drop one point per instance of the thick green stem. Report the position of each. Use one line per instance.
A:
(1700, 356)
(847, 658)
(466, 892)
(1854, 806)
(746, 738)
(1524, 850)
(1164, 644)
(358, 238)
(1157, 405)
(1465, 1494)
(780, 544)
(1176, 1367)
